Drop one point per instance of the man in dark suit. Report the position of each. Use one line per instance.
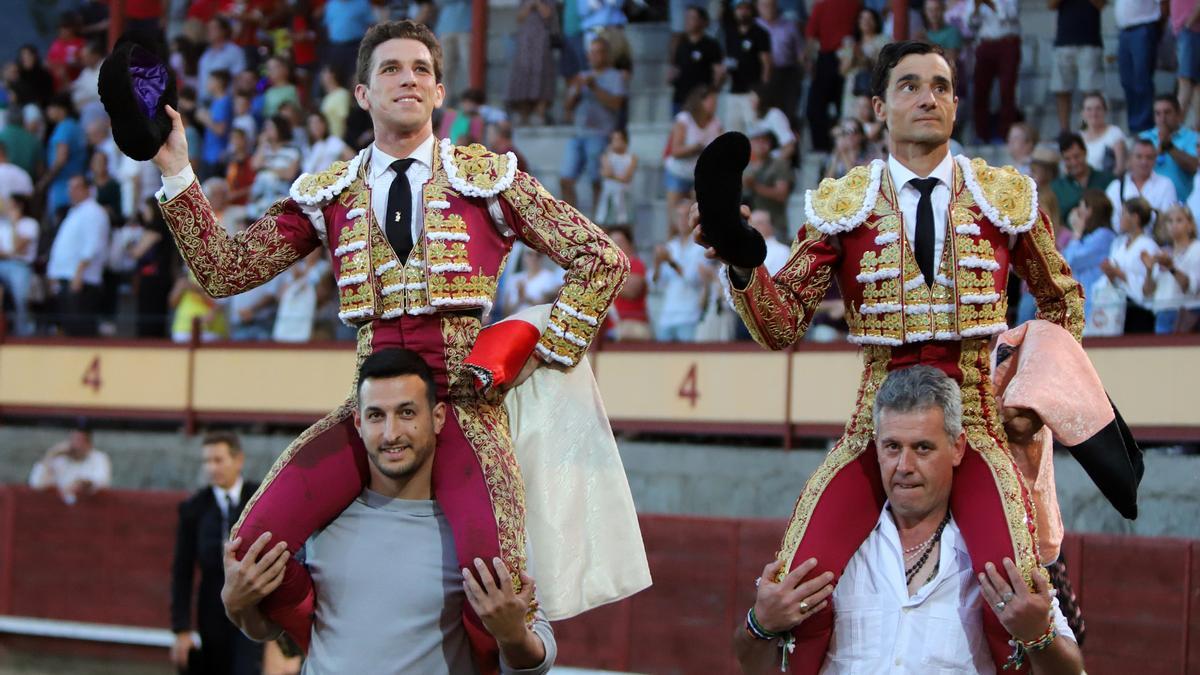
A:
(204, 523)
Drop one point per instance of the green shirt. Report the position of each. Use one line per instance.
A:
(275, 97)
(23, 149)
(1070, 192)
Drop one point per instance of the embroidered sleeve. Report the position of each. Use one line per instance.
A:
(227, 265)
(778, 310)
(595, 267)
(1059, 296)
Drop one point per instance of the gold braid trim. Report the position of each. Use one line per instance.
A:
(1059, 296)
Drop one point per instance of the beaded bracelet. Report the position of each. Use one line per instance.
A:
(756, 630)
(1022, 647)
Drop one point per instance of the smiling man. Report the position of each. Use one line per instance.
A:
(920, 246)
(418, 232)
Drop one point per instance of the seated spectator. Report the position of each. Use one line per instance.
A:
(298, 298)
(1143, 181)
(335, 104)
(155, 274)
(323, 147)
(34, 82)
(106, 188)
(13, 179)
(595, 98)
(536, 283)
(856, 58)
(849, 149)
(748, 62)
(1173, 276)
(1022, 138)
(697, 61)
(940, 32)
(220, 54)
(767, 116)
(767, 182)
(193, 307)
(786, 46)
(18, 250)
(217, 120)
(1080, 175)
(1043, 168)
(617, 167)
(243, 116)
(239, 168)
(85, 89)
(1091, 242)
(679, 274)
(1105, 142)
(280, 87)
(777, 251)
(1176, 144)
(76, 266)
(629, 316)
(694, 128)
(66, 155)
(1078, 54)
(23, 148)
(1126, 268)
(499, 139)
(531, 74)
(74, 467)
(276, 164)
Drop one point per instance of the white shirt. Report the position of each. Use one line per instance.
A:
(1168, 294)
(1001, 22)
(1128, 257)
(234, 493)
(1158, 190)
(1136, 12)
(82, 237)
(323, 153)
(878, 628)
(14, 181)
(682, 294)
(63, 471)
(1097, 148)
(26, 228)
(909, 196)
(777, 255)
(380, 176)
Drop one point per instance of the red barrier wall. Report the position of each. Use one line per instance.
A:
(108, 558)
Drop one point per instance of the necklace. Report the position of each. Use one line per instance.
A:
(911, 572)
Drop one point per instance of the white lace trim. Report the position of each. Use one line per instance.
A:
(852, 221)
(554, 356)
(874, 340)
(978, 263)
(354, 314)
(885, 273)
(466, 187)
(945, 335)
(978, 298)
(351, 247)
(355, 213)
(392, 313)
(969, 228)
(887, 238)
(915, 282)
(916, 309)
(448, 236)
(392, 289)
(450, 267)
(990, 329)
(572, 312)
(918, 336)
(993, 214)
(330, 191)
(879, 308)
(423, 309)
(942, 309)
(385, 267)
(943, 280)
(566, 335)
(351, 280)
(437, 204)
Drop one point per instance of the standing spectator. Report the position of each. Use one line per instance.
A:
(942, 33)
(335, 104)
(239, 167)
(499, 139)
(154, 274)
(221, 54)
(74, 467)
(1078, 53)
(748, 46)
(1105, 142)
(323, 147)
(281, 89)
(18, 250)
(1185, 22)
(856, 58)
(276, 164)
(1126, 268)
(573, 55)
(23, 148)
(34, 82)
(679, 272)
(243, 117)
(192, 305)
(774, 120)
(697, 59)
(216, 119)
(1080, 176)
(106, 188)
(76, 266)
(997, 58)
(532, 75)
(535, 283)
(767, 182)
(63, 55)
(65, 154)
(85, 89)
(204, 523)
(1022, 138)
(298, 299)
(694, 128)
(1142, 181)
(13, 179)
(1139, 22)
(595, 98)
(786, 72)
(777, 251)
(454, 31)
(629, 309)
(617, 167)
(1176, 144)
(1172, 276)
(1090, 243)
(832, 21)
(345, 23)
(252, 313)
(606, 19)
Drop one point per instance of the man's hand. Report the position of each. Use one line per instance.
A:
(172, 157)
(1021, 424)
(501, 609)
(527, 370)
(1110, 270)
(249, 580)
(698, 235)
(179, 650)
(77, 284)
(1024, 614)
(780, 607)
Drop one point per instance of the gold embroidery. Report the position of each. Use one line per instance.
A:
(777, 311)
(479, 166)
(840, 198)
(1005, 189)
(1059, 296)
(310, 185)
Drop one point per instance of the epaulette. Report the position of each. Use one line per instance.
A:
(841, 204)
(1006, 197)
(475, 171)
(316, 189)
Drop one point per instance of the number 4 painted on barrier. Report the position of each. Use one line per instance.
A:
(688, 389)
(91, 376)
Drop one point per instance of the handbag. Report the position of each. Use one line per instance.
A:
(719, 321)
(1108, 309)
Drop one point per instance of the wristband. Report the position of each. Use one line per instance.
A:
(1023, 647)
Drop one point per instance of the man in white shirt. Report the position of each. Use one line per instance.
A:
(73, 467)
(1139, 23)
(777, 251)
(76, 265)
(1141, 181)
(909, 601)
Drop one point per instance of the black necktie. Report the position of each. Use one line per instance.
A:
(229, 516)
(923, 246)
(399, 211)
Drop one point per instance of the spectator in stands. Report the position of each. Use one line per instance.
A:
(1142, 181)
(229, 216)
(276, 163)
(573, 54)
(217, 119)
(1043, 168)
(694, 128)
(243, 117)
(34, 82)
(335, 104)
(1176, 144)
(221, 54)
(193, 306)
(298, 290)
(531, 74)
(499, 139)
(345, 22)
(748, 63)
(1078, 53)
(23, 148)
(1125, 267)
(85, 89)
(831, 23)
(786, 45)
(856, 58)
(1080, 175)
(777, 251)
(697, 60)
(850, 149)
(13, 179)
(105, 188)
(74, 467)
(144, 15)
(940, 32)
(617, 167)
(76, 266)
(252, 313)
(239, 167)
(997, 59)
(536, 283)
(1185, 23)
(595, 98)
(18, 250)
(774, 120)
(281, 89)
(1090, 242)
(606, 19)
(679, 275)
(630, 316)
(63, 56)
(454, 31)
(767, 181)
(1139, 23)
(1105, 142)
(1022, 139)
(66, 154)
(1173, 276)
(154, 275)
(324, 148)
(465, 124)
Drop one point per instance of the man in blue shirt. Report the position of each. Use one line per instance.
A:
(345, 23)
(65, 153)
(216, 120)
(1176, 144)
(454, 31)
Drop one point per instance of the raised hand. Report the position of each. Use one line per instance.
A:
(172, 157)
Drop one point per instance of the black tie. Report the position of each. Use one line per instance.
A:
(399, 211)
(923, 246)
(229, 516)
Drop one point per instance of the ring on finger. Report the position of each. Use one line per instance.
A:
(803, 607)
(1000, 606)
(1006, 597)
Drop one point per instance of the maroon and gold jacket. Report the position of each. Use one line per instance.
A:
(476, 204)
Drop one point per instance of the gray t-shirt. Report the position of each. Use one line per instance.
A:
(591, 116)
(389, 593)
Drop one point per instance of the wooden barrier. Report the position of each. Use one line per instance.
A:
(107, 559)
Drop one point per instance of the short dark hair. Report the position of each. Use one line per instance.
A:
(396, 362)
(1169, 98)
(1070, 139)
(700, 12)
(228, 438)
(223, 76)
(396, 30)
(1146, 142)
(283, 127)
(1141, 208)
(893, 52)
